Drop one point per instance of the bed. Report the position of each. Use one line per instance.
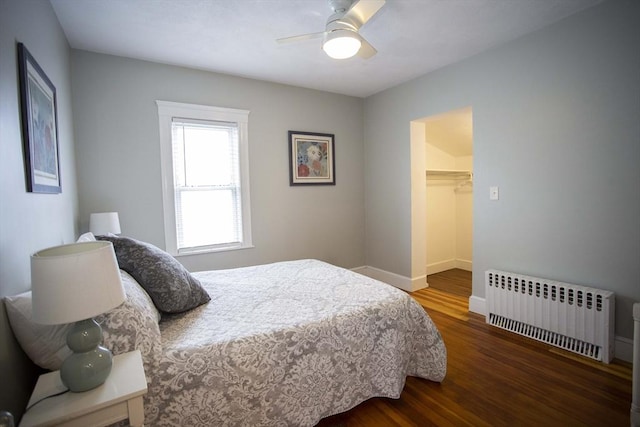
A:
(287, 343)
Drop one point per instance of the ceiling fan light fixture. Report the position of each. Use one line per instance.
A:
(341, 44)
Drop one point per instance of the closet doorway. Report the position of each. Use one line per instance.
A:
(449, 191)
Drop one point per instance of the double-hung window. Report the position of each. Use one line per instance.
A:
(205, 177)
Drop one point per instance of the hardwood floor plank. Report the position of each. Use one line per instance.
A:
(497, 378)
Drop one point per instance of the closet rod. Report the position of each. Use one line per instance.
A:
(449, 174)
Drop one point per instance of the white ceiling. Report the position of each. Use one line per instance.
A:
(238, 37)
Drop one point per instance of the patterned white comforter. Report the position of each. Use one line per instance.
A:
(288, 344)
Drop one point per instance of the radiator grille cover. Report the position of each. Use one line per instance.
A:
(573, 317)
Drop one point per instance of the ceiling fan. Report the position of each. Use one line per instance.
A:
(341, 36)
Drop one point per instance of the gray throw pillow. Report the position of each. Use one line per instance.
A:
(171, 287)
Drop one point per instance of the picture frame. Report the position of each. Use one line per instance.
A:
(39, 116)
(311, 158)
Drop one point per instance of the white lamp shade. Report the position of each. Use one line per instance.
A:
(75, 282)
(341, 44)
(104, 223)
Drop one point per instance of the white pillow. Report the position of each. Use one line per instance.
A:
(46, 345)
(86, 237)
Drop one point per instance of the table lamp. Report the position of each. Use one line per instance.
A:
(74, 283)
(104, 223)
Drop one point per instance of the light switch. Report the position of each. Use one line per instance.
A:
(494, 193)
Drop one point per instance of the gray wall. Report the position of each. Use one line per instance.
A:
(118, 151)
(29, 221)
(556, 126)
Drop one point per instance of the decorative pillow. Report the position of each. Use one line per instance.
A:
(171, 287)
(133, 324)
(86, 237)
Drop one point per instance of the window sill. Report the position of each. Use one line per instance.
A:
(212, 250)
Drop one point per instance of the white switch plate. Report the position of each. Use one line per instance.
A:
(494, 193)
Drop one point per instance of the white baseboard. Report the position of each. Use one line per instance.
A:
(449, 264)
(464, 264)
(623, 347)
(402, 282)
(438, 267)
(477, 305)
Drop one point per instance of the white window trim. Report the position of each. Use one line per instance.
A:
(166, 112)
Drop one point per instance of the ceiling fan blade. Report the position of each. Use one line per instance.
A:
(300, 38)
(362, 10)
(366, 50)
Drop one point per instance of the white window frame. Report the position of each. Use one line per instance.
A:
(167, 111)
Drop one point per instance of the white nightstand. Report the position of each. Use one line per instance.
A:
(119, 398)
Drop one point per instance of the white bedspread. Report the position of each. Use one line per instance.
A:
(288, 344)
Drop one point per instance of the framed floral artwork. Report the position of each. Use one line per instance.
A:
(311, 158)
(39, 117)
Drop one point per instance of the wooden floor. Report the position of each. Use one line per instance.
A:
(497, 378)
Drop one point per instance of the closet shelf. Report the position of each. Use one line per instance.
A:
(449, 174)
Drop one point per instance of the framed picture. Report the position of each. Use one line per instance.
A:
(39, 116)
(311, 158)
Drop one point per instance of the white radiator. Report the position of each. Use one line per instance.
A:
(572, 317)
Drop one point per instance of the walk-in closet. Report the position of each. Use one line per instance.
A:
(449, 199)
